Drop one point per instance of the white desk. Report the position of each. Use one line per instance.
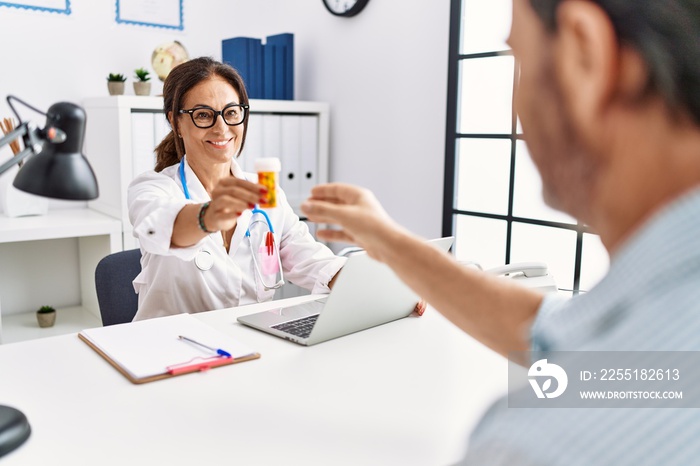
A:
(28, 268)
(405, 393)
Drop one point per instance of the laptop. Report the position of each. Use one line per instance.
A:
(366, 293)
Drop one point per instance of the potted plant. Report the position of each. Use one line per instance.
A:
(115, 83)
(141, 85)
(46, 316)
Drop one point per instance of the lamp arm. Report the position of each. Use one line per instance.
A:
(16, 159)
(31, 144)
(18, 132)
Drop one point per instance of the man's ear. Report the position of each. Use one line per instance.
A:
(587, 59)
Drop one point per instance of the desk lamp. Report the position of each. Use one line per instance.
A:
(56, 169)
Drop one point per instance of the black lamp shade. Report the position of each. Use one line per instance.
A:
(60, 170)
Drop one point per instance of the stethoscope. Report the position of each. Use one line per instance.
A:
(271, 265)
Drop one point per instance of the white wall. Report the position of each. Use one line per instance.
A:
(48, 57)
(51, 57)
(383, 72)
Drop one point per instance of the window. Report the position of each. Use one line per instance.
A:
(493, 204)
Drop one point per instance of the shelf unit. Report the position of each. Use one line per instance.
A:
(97, 235)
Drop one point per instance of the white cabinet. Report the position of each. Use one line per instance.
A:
(33, 269)
(123, 131)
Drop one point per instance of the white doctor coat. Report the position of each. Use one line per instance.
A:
(171, 283)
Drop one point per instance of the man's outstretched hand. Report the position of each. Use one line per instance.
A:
(358, 213)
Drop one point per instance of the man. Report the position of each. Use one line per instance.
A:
(609, 99)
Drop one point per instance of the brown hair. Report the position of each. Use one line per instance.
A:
(181, 79)
(664, 33)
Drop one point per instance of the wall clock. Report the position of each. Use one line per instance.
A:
(345, 8)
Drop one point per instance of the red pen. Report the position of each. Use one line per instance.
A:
(203, 365)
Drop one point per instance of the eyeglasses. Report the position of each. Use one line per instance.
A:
(205, 117)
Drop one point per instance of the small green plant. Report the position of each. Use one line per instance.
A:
(142, 74)
(115, 77)
(46, 310)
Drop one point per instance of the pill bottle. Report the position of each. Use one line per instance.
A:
(268, 169)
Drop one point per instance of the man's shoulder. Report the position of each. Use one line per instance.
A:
(572, 436)
(662, 315)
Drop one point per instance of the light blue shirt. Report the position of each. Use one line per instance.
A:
(649, 301)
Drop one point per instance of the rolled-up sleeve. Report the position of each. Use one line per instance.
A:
(552, 304)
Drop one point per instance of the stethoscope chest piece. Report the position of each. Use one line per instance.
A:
(204, 260)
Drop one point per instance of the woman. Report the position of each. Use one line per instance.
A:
(192, 213)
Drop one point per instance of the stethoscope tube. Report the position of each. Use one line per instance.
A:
(256, 210)
(183, 180)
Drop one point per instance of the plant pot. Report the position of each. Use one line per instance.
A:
(115, 87)
(46, 319)
(142, 88)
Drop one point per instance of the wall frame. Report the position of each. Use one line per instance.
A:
(166, 14)
(51, 6)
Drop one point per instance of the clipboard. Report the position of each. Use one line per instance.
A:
(150, 350)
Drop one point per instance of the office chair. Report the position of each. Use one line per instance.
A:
(114, 275)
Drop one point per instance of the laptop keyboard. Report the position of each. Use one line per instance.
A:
(300, 327)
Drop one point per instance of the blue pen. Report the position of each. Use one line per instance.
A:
(220, 352)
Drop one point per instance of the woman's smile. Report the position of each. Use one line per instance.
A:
(220, 144)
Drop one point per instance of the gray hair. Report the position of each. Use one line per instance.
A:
(666, 33)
